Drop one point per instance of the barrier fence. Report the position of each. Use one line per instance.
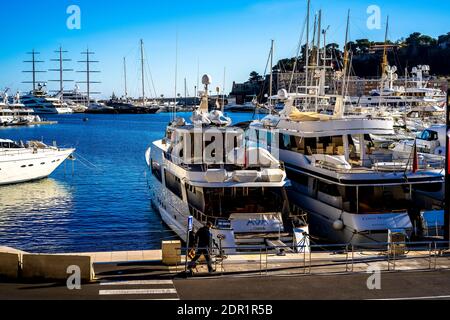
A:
(326, 258)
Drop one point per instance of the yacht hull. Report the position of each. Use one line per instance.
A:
(24, 166)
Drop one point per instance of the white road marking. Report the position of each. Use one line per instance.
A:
(136, 291)
(136, 282)
(417, 298)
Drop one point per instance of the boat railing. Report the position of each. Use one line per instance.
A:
(382, 165)
(306, 258)
(203, 167)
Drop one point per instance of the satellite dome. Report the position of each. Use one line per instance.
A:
(206, 79)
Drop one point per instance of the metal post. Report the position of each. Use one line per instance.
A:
(260, 261)
(447, 174)
(346, 258)
(267, 255)
(429, 250)
(353, 255)
(304, 259)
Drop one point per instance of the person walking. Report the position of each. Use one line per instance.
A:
(203, 241)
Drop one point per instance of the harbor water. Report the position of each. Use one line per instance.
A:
(100, 201)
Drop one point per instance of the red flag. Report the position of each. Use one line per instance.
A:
(415, 166)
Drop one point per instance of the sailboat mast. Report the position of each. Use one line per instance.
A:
(346, 54)
(125, 76)
(33, 55)
(319, 26)
(271, 72)
(384, 64)
(307, 49)
(142, 72)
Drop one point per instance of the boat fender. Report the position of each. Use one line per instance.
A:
(338, 225)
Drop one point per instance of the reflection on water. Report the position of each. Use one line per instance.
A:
(30, 210)
(41, 196)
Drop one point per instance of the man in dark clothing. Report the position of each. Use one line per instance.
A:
(203, 239)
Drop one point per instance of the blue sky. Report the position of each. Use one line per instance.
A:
(231, 34)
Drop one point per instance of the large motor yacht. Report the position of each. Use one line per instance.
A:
(41, 103)
(31, 161)
(354, 192)
(240, 190)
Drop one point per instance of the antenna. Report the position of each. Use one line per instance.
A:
(33, 71)
(61, 69)
(88, 73)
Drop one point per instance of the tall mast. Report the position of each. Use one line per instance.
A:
(223, 89)
(125, 76)
(307, 50)
(61, 69)
(271, 72)
(33, 70)
(346, 53)
(185, 93)
(142, 72)
(319, 27)
(385, 62)
(88, 71)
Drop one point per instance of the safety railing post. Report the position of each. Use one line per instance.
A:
(310, 253)
(394, 246)
(260, 262)
(435, 255)
(304, 259)
(389, 256)
(353, 257)
(346, 258)
(267, 256)
(429, 257)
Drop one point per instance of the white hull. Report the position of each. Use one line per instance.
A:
(358, 229)
(49, 110)
(25, 165)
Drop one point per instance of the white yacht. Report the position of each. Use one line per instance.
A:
(41, 103)
(192, 175)
(353, 191)
(13, 112)
(413, 97)
(32, 161)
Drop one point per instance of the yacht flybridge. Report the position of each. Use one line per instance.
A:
(206, 170)
(352, 190)
(31, 161)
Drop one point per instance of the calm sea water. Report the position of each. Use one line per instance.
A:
(100, 202)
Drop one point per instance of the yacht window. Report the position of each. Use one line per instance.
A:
(221, 202)
(330, 189)
(156, 170)
(173, 183)
(382, 199)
